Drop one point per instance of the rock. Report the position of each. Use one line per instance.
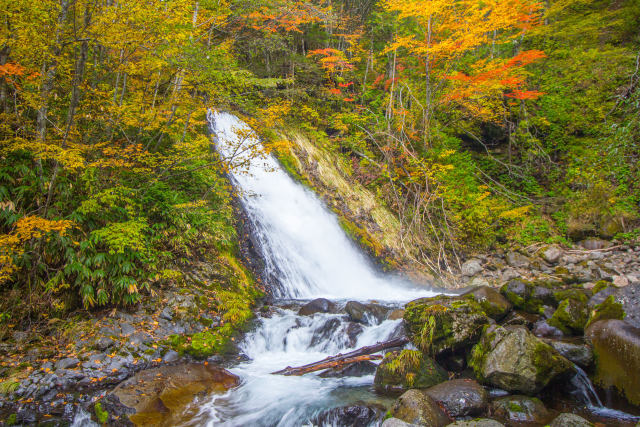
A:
(159, 395)
(478, 422)
(570, 420)
(629, 297)
(478, 282)
(620, 281)
(571, 316)
(594, 244)
(444, 324)
(610, 308)
(552, 254)
(167, 314)
(580, 354)
(402, 370)
(521, 318)
(353, 330)
(527, 296)
(616, 346)
(517, 260)
(359, 369)
(396, 314)
(170, 357)
(509, 274)
(319, 305)
(353, 416)
(512, 359)
(520, 409)
(471, 268)
(460, 397)
(542, 329)
(325, 331)
(67, 363)
(369, 314)
(492, 302)
(394, 422)
(416, 407)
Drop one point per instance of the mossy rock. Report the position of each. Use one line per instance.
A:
(601, 285)
(528, 296)
(513, 359)
(571, 316)
(417, 408)
(444, 324)
(608, 309)
(520, 409)
(492, 302)
(406, 369)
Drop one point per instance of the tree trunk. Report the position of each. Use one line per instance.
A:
(358, 355)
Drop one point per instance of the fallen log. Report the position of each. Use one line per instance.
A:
(359, 355)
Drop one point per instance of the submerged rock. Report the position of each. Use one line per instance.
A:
(512, 359)
(570, 420)
(444, 324)
(416, 407)
(616, 346)
(402, 370)
(352, 416)
(520, 409)
(319, 305)
(460, 397)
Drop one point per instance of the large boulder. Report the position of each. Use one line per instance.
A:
(520, 410)
(513, 359)
(444, 324)
(402, 370)
(471, 268)
(570, 420)
(517, 260)
(551, 254)
(353, 416)
(579, 353)
(478, 422)
(527, 296)
(616, 346)
(416, 407)
(460, 397)
(319, 305)
(492, 302)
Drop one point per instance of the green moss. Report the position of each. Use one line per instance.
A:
(101, 414)
(546, 360)
(600, 286)
(514, 407)
(571, 316)
(8, 386)
(608, 309)
(408, 369)
(576, 294)
(12, 420)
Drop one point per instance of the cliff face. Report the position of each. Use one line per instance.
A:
(362, 215)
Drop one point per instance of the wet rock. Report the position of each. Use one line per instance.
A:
(394, 422)
(580, 354)
(402, 370)
(416, 407)
(610, 308)
(444, 324)
(520, 409)
(324, 332)
(471, 268)
(571, 316)
(319, 305)
(478, 422)
(359, 369)
(352, 416)
(366, 313)
(158, 396)
(629, 297)
(517, 260)
(616, 346)
(512, 359)
(492, 302)
(527, 296)
(67, 363)
(570, 420)
(521, 318)
(396, 314)
(460, 397)
(552, 254)
(353, 331)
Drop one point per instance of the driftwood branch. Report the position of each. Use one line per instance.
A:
(359, 355)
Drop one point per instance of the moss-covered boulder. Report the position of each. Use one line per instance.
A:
(520, 410)
(402, 370)
(478, 422)
(528, 296)
(511, 358)
(492, 302)
(570, 420)
(461, 397)
(444, 324)
(610, 308)
(416, 407)
(571, 316)
(616, 346)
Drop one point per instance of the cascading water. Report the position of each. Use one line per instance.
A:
(309, 256)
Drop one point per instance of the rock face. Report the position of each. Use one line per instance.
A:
(319, 305)
(416, 407)
(403, 370)
(570, 420)
(616, 346)
(512, 359)
(353, 416)
(492, 302)
(460, 397)
(444, 324)
(520, 409)
(156, 396)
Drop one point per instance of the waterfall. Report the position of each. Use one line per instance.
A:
(301, 241)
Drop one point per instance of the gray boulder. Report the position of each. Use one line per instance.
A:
(519, 410)
(319, 305)
(460, 397)
(416, 407)
(471, 268)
